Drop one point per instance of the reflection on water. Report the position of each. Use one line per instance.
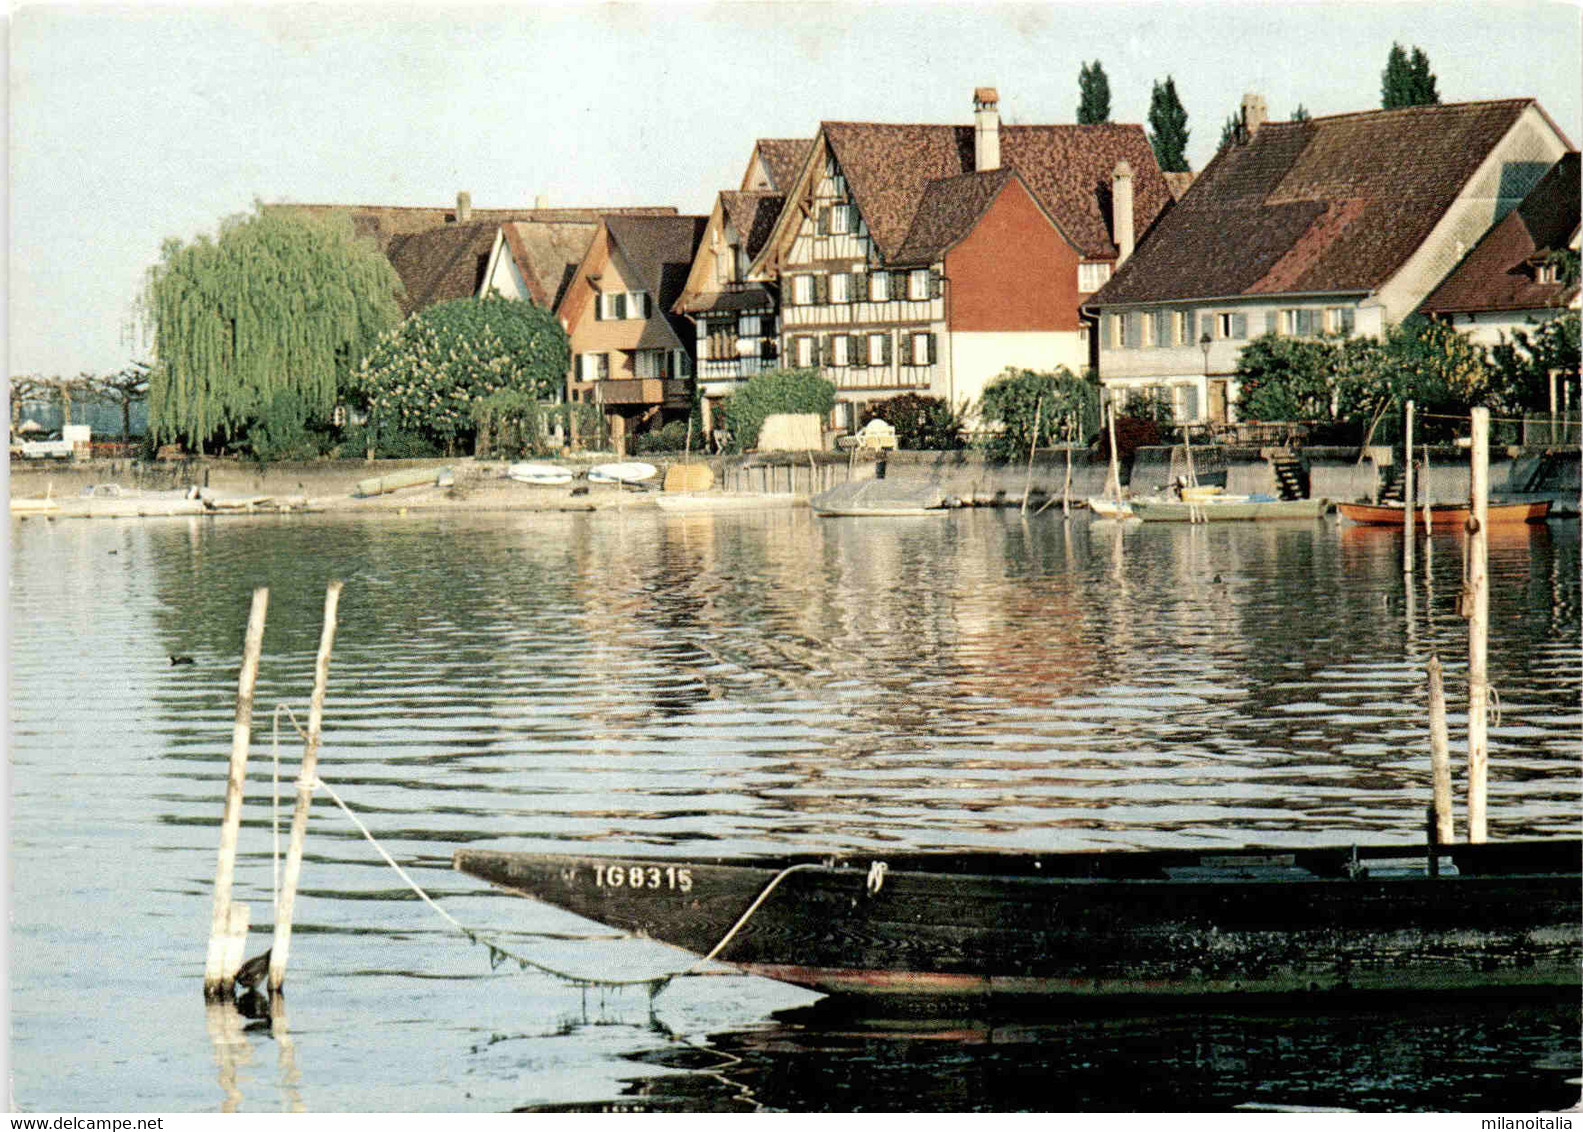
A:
(1441, 1059)
(686, 685)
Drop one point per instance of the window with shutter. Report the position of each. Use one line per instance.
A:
(885, 349)
(898, 286)
(802, 290)
(1239, 326)
(860, 285)
(840, 288)
(1271, 322)
(821, 290)
(856, 351)
(840, 346)
(1207, 326)
(1162, 328)
(804, 351)
(936, 283)
(918, 284)
(604, 366)
(934, 347)
(599, 307)
(878, 287)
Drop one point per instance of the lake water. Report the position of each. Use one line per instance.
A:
(696, 685)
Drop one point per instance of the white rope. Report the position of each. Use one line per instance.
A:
(498, 954)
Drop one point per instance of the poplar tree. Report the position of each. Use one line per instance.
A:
(1093, 88)
(1168, 127)
(269, 317)
(1407, 80)
(1301, 114)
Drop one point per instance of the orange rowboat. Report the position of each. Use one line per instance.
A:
(1449, 514)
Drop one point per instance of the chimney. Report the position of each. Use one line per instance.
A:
(986, 129)
(1121, 209)
(464, 207)
(1254, 112)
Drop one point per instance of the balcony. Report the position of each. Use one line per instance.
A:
(642, 391)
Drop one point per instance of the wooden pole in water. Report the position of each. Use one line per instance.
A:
(1033, 445)
(281, 950)
(1478, 584)
(217, 978)
(1409, 497)
(1115, 457)
(1439, 754)
(1429, 517)
(1066, 490)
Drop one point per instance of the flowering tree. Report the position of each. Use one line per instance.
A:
(428, 375)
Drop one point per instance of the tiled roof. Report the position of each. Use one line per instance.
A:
(1330, 204)
(753, 214)
(1498, 273)
(381, 222)
(441, 264)
(1067, 168)
(949, 210)
(660, 250)
(548, 254)
(783, 157)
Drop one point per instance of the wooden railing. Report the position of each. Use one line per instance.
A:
(642, 391)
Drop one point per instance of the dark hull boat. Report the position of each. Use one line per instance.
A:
(1238, 924)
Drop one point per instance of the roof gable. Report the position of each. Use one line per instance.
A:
(1498, 273)
(1334, 204)
(659, 251)
(1067, 170)
(951, 208)
(778, 160)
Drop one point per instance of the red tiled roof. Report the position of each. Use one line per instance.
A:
(1331, 204)
(1498, 273)
(547, 254)
(1066, 168)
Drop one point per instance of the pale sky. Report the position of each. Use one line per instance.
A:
(132, 124)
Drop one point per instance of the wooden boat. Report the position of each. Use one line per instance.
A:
(1444, 516)
(1172, 924)
(634, 472)
(1217, 509)
(545, 474)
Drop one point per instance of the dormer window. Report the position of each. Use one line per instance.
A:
(1547, 273)
(1092, 276)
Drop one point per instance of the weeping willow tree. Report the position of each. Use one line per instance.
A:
(269, 317)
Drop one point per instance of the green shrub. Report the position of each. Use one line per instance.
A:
(1019, 397)
(778, 391)
(670, 437)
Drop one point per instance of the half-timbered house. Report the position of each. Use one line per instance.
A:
(928, 259)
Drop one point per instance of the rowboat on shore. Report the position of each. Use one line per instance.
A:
(1443, 515)
(1184, 924)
